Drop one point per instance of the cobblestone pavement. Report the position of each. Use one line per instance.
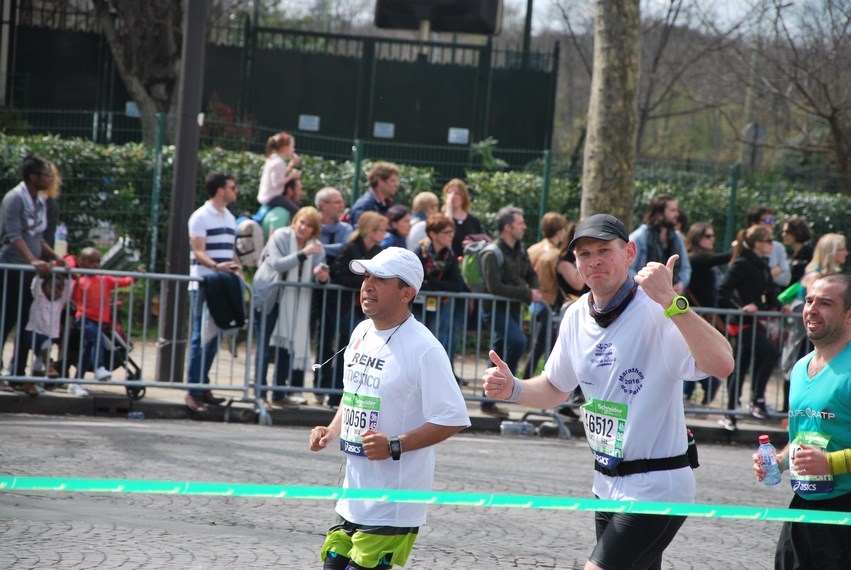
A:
(103, 530)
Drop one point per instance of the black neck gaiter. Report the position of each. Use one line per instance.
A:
(615, 306)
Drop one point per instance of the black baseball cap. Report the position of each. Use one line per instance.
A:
(600, 226)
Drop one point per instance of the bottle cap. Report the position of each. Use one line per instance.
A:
(763, 439)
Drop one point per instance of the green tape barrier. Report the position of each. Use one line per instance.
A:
(12, 483)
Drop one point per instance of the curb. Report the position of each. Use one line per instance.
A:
(237, 411)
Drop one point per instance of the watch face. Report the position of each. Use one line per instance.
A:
(682, 304)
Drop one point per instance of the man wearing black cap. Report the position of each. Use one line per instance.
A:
(628, 344)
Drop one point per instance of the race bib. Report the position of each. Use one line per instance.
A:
(605, 423)
(360, 413)
(805, 484)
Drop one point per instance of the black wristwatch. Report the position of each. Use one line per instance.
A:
(395, 448)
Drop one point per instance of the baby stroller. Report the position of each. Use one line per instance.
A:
(116, 355)
(116, 348)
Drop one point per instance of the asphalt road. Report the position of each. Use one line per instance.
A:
(149, 531)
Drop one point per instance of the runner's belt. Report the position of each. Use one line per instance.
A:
(644, 465)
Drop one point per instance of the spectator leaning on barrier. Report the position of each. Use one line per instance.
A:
(335, 233)
(628, 344)
(444, 316)
(508, 275)
(212, 234)
(23, 219)
(747, 286)
(282, 314)
(383, 179)
(819, 453)
(400, 400)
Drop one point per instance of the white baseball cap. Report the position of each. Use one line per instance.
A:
(392, 262)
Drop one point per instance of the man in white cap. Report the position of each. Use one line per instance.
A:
(400, 398)
(628, 344)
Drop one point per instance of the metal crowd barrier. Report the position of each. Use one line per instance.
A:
(140, 358)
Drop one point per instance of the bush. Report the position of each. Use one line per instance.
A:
(109, 188)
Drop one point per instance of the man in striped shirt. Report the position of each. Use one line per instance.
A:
(212, 234)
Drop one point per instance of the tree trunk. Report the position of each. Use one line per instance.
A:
(145, 40)
(609, 164)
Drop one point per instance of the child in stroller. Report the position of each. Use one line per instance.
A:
(96, 342)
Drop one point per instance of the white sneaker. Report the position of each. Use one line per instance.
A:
(297, 398)
(77, 390)
(102, 374)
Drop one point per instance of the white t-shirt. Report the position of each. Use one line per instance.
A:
(394, 381)
(219, 232)
(638, 364)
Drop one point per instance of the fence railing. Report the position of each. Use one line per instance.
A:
(134, 348)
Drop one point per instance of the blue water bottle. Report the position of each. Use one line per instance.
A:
(768, 460)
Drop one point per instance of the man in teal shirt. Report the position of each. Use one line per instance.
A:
(819, 452)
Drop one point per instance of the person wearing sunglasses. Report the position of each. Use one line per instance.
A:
(778, 262)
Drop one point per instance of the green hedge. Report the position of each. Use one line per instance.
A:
(108, 188)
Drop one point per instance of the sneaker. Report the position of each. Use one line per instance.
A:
(77, 390)
(195, 404)
(495, 411)
(728, 424)
(102, 374)
(297, 399)
(758, 410)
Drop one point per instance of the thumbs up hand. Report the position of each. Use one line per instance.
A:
(657, 280)
(498, 380)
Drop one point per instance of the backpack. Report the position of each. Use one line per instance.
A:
(249, 241)
(471, 263)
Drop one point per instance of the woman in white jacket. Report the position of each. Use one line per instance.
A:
(282, 314)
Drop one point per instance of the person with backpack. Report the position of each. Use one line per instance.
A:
(507, 273)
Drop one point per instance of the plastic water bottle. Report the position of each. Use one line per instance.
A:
(516, 429)
(60, 244)
(136, 416)
(768, 460)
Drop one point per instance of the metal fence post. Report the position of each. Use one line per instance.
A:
(731, 203)
(545, 190)
(156, 189)
(358, 158)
